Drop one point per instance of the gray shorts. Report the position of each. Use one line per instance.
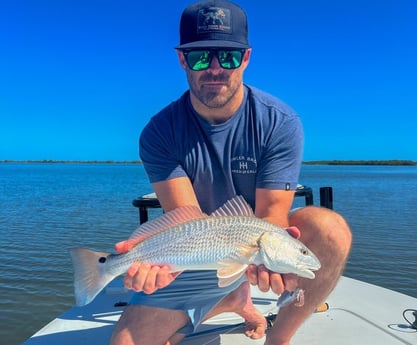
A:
(194, 292)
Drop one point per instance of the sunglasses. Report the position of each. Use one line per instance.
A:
(199, 60)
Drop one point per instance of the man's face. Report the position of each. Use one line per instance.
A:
(215, 86)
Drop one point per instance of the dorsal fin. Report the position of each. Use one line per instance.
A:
(236, 206)
(168, 220)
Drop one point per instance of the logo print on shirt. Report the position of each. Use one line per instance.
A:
(244, 165)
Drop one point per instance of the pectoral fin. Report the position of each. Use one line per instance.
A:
(231, 269)
(228, 273)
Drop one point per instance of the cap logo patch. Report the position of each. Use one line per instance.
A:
(213, 19)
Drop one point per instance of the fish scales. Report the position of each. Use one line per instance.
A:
(216, 237)
(195, 243)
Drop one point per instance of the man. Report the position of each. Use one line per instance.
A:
(220, 139)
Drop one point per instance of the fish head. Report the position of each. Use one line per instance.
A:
(282, 253)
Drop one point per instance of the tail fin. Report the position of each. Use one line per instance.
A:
(90, 276)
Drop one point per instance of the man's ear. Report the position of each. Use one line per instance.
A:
(246, 57)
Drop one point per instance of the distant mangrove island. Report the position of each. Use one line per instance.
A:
(392, 162)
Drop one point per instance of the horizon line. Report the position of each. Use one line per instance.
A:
(308, 162)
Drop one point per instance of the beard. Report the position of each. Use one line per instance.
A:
(208, 97)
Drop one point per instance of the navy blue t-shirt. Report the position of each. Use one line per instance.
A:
(260, 146)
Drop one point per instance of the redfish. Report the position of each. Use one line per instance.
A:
(227, 241)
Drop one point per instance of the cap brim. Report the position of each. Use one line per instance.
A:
(212, 44)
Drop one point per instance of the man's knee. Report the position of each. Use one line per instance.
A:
(319, 223)
(141, 325)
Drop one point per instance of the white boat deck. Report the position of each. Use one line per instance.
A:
(358, 314)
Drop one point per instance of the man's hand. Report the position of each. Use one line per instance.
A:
(143, 276)
(266, 279)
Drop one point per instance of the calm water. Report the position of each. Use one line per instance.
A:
(46, 209)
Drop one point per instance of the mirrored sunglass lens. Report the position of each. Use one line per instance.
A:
(198, 59)
(230, 59)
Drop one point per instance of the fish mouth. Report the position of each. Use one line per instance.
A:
(306, 270)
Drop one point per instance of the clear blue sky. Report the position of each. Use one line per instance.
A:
(79, 79)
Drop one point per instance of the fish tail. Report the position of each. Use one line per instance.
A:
(90, 276)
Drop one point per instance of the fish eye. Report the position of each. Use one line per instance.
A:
(304, 251)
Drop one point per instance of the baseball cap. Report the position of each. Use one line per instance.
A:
(213, 23)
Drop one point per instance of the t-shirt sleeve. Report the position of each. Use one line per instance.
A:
(158, 153)
(280, 163)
